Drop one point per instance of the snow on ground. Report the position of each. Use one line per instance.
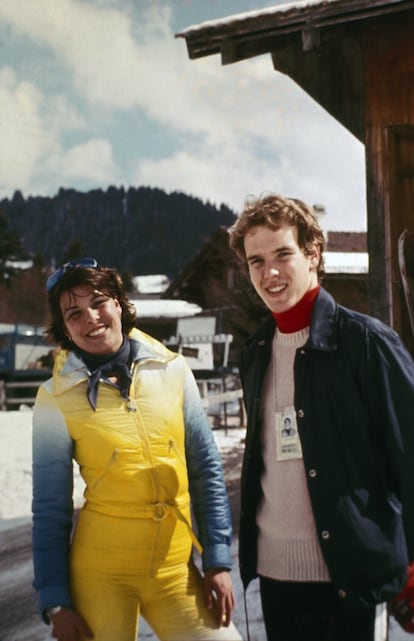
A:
(16, 466)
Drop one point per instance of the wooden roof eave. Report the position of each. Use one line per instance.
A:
(317, 45)
(214, 37)
(330, 72)
(315, 60)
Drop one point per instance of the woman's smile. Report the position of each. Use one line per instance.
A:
(92, 320)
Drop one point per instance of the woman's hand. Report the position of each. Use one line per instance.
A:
(68, 625)
(219, 594)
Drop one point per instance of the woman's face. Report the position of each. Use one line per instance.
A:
(92, 320)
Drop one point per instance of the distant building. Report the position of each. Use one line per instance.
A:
(154, 284)
(156, 314)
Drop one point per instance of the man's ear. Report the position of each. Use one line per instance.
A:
(315, 257)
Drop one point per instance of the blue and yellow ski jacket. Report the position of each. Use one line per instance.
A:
(145, 457)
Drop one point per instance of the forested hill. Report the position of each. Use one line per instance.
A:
(142, 230)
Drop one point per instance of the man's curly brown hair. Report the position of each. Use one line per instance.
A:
(274, 211)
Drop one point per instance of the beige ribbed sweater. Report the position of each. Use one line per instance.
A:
(288, 547)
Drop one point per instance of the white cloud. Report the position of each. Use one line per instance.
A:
(121, 61)
(227, 174)
(259, 132)
(109, 56)
(22, 134)
(238, 129)
(91, 161)
(31, 127)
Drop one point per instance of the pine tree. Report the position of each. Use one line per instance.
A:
(11, 251)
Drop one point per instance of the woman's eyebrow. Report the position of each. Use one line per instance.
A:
(70, 308)
(253, 256)
(97, 294)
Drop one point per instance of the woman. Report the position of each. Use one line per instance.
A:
(127, 410)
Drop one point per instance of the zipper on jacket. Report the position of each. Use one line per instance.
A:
(173, 447)
(131, 405)
(110, 463)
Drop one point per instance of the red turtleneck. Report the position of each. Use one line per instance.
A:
(297, 317)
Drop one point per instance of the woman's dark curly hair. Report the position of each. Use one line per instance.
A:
(102, 279)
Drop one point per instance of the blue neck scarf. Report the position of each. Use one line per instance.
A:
(117, 364)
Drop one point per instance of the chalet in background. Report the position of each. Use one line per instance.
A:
(356, 59)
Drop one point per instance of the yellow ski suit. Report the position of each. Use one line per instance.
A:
(141, 459)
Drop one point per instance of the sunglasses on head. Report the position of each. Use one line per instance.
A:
(58, 274)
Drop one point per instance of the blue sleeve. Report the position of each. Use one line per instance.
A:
(52, 504)
(206, 479)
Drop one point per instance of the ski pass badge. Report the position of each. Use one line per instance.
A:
(287, 436)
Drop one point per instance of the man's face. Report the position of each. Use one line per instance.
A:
(279, 270)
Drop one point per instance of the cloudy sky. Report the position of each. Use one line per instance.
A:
(96, 93)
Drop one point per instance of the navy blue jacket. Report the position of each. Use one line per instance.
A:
(354, 402)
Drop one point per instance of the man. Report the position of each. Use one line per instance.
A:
(327, 516)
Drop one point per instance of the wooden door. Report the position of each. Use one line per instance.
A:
(401, 216)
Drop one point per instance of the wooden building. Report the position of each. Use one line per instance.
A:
(216, 281)
(356, 59)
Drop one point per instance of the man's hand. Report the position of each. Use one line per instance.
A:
(219, 594)
(68, 625)
(402, 606)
